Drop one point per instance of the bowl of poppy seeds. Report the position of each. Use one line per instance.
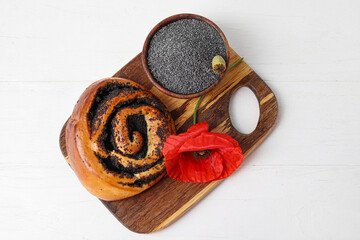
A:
(178, 52)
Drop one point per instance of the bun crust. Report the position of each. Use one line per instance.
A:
(115, 138)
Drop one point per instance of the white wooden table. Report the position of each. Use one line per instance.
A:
(303, 182)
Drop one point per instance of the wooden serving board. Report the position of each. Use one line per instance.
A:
(166, 201)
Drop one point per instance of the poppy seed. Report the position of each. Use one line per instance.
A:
(180, 56)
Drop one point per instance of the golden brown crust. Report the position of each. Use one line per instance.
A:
(115, 136)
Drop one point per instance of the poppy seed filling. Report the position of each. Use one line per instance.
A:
(134, 123)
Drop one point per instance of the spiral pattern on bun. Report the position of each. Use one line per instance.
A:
(115, 138)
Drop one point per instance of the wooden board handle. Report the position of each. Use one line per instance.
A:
(215, 107)
(268, 112)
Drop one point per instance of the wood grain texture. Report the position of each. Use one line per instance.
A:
(162, 204)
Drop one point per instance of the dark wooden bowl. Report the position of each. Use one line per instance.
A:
(170, 20)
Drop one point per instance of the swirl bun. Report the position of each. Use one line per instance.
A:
(115, 138)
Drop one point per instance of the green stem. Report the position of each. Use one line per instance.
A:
(201, 98)
(196, 108)
(236, 63)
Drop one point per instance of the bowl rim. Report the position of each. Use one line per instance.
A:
(167, 21)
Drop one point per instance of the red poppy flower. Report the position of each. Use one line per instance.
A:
(201, 156)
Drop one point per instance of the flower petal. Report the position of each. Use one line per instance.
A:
(172, 145)
(200, 170)
(225, 155)
(173, 168)
(205, 141)
(174, 142)
(198, 128)
(229, 138)
(232, 158)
